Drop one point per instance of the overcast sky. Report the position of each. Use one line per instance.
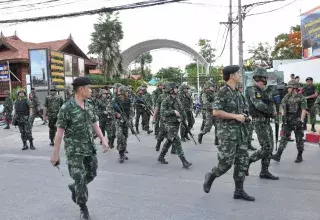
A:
(186, 23)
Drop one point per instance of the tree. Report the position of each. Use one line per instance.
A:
(207, 51)
(214, 74)
(144, 59)
(288, 45)
(147, 70)
(105, 43)
(172, 74)
(260, 56)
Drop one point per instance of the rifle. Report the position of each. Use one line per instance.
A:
(183, 122)
(277, 126)
(148, 107)
(125, 118)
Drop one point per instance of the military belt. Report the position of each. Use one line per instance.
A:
(266, 120)
(229, 121)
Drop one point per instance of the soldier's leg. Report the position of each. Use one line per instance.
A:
(203, 121)
(91, 166)
(161, 135)
(298, 131)
(250, 130)
(28, 133)
(226, 155)
(146, 122)
(39, 115)
(22, 133)
(207, 127)
(182, 133)
(157, 125)
(111, 132)
(52, 129)
(102, 125)
(31, 119)
(122, 135)
(240, 167)
(313, 118)
(287, 129)
(79, 189)
(164, 151)
(215, 124)
(138, 114)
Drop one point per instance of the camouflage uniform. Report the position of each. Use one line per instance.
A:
(142, 102)
(22, 111)
(122, 104)
(309, 90)
(155, 95)
(187, 105)
(203, 110)
(146, 116)
(233, 137)
(262, 108)
(106, 117)
(291, 106)
(171, 124)
(35, 108)
(79, 146)
(207, 100)
(8, 108)
(53, 103)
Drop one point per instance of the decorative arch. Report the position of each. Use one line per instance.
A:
(133, 52)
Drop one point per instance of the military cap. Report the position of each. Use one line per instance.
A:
(103, 91)
(81, 81)
(230, 69)
(293, 84)
(259, 71)
(21, 90)
(309, 78)
(117, 85)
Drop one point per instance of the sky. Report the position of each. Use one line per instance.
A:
(186, 23)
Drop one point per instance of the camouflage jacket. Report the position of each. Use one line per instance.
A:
(53, 104)
(8, 104)
(167, 110)
(35, 103)
(186, 101)
(78, 126)
(207, 100)
(103, 108)
(292, 105)
(155, 95)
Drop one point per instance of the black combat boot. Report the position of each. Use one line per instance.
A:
(163, 154)
(31, 145)
(216, 141)
(187, 137)
(265, 174)
(202, 125)
(247, 172)
(121, 157)
(73, 192)
(8, 126)
(200, 138)
(159, 141)
(183, 139)
(25, 146)
(313, 129)
(277, 156)
(208, 180)
(252, 148)
(137, 129)
(111, 143)
(299, 157)
(239, 193)
(185, 163)
(84, 212)
(173, 150)
(51, 142)
(149, 131)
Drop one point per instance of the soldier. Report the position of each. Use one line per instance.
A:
(35, 107)
(202, 109)
(106, 118)
(155, 95)
(249, 125)
(262, 109)
(310, 93)
(76, 120)
(229, 107)
(139, 106)
(52, 105)
(147, 98)
(186, 101)
(207, 100)
(22, 112)
(68, 92)
(293, 109)
(122, 105)
(8, 108)
(172, 113)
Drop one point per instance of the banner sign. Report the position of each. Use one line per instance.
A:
(4, 73)
(57, 69)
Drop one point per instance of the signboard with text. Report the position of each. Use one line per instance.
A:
(4, 73)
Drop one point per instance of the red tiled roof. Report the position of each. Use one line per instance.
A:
(135, 77)
(20, 50)
(95, 71)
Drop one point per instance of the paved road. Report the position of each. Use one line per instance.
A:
(141, 188)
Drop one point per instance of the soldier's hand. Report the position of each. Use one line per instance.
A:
(118, 115)
(105, 146)
(55, 159)
(177, 113)
(240, 117)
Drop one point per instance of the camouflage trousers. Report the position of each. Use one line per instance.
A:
(265, 137)
(231, 151)
(173, 139)
(209, 122)
(8, 115)
(24, 128)
(312, 115)
(52, 126)
(35, 113)
(122, 130)
(157, 124)
(162, 131)
(190, 122)
(107, 124)
(250, 132)
(139, 113)
(203, 120)
(294, 126)
(82, 169)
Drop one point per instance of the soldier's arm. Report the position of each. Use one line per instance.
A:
(258, 103)
(45, 106)
(303, 107)
(206, 104)
(30, 108)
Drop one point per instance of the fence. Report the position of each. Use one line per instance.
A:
(5, 86)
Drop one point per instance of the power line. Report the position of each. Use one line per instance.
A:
(272, 10)
(10, 1)
(92, 12)
(215, 46)
(30, 4)
(203, 4)
(224, 46)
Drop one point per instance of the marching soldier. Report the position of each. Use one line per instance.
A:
(293, 109)
(172, 113)
(35, 107)
(76, 121)
(155, 95)
(8, 108)
(187, 105)
(262, 109)
(22, 112)
(207, 100)
(147, 98)
(52, 105)
(229, 107)
(310, 93)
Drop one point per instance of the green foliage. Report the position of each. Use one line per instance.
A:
(207, 51)
(172, 74)
(147, 73)
(260, 56)
(144, 59)
(14, 91)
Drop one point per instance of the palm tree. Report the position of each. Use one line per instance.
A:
(144, 59)
(105, 43)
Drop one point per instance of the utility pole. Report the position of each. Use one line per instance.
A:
(229, 25)
(240, 41)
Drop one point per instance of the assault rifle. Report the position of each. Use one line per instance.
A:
(183, 122)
